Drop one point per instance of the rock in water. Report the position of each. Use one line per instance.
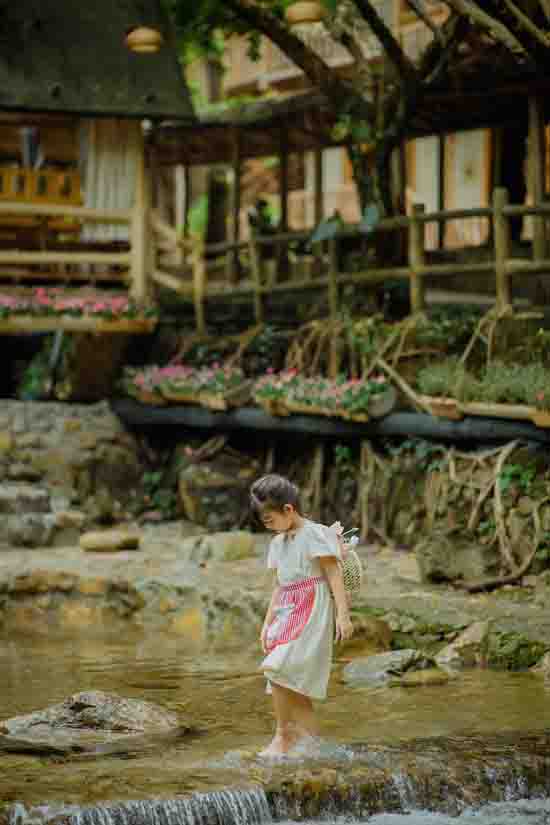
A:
(109, 541)
(468, 650)
(88, 720)
(381, 668)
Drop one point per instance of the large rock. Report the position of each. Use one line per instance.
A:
(86, 720)
(370, 635)
(383, 667)
(449, 557)
(219, 547)
(468, 650)
(109, 541)
(19, 499)
(28, 530)
(214, 493)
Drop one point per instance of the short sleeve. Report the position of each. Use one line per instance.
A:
(322, 541)
(273, 554)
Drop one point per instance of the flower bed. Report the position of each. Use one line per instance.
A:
(356, 400)
(510, 391)
(215, 387)
(54, 302)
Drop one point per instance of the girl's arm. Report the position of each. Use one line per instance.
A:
(333, 574)
(268, 617)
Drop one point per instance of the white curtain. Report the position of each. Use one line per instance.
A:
(108, 153)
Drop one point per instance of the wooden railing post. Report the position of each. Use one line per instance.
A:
(140, 229)
(536, 174)
(256, 269)
(199, 285)
(417, 258)
(501, 234)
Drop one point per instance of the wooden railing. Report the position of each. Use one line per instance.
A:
(320, 270)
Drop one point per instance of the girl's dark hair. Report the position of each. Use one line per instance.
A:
(272, 492)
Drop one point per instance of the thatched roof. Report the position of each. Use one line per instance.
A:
(69, 56)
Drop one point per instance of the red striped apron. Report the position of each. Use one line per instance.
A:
(295, 603)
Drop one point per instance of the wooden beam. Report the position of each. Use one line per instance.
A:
(16, 256)
(319, 183)
(54, 210)
(34, 323)
(166, 279)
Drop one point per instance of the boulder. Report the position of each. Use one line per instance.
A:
(109, 541)
(214, 493)
(431, 677)
(233, 546)
(19, 499)
(542, 668)
(28, 530)
(444, 557)
(381, 668)
(370, 635)
(468, 650)
(86, 720)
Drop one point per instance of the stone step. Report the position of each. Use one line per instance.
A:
(17, 498)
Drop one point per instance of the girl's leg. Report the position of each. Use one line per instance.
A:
(294, 717)
(304, 716)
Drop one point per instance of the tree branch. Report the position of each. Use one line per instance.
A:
(438, 53)
(497, 30)
(338, 91)
(545, 6)
(417, 8)
(385, 37)
(527, 24)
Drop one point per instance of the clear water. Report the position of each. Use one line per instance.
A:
(221, 691)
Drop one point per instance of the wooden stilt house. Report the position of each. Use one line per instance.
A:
(80, 86)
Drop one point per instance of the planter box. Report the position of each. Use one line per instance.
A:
(272, 406)
(149, 397)
(541, 418)
(85, 323)
(234, 397)
(445, 408)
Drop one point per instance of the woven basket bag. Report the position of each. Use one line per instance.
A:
(352, 573)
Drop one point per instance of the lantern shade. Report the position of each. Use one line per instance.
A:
(304, 12)
(144, 40)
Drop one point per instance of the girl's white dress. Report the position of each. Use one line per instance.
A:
(300, 637)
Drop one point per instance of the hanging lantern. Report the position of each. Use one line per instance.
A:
(304, 12)
(144, 40)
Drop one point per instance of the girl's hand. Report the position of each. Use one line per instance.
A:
(263, 637)
(344, 628)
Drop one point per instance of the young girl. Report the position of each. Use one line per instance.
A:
(298, 630)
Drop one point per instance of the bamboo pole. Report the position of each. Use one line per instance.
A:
(172, 282)
(140, 228)
(501, 234)
(16, 256)
(332, 283)
(199, 286)
(232, 259)
(256, 269)
(536, 173)
(319, 204)
(416, 258)
(55, 210)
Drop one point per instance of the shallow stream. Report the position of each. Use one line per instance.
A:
(222, 693)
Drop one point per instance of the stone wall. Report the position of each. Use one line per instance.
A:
(62, 467)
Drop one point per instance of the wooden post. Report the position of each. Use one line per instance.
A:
(536, 174)
(282, 257)
(501, 234)
(417, 258)
(199, 285)
(256, 269)
(233, 256)
(333, 279)
(140, 229)
(319, 204)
